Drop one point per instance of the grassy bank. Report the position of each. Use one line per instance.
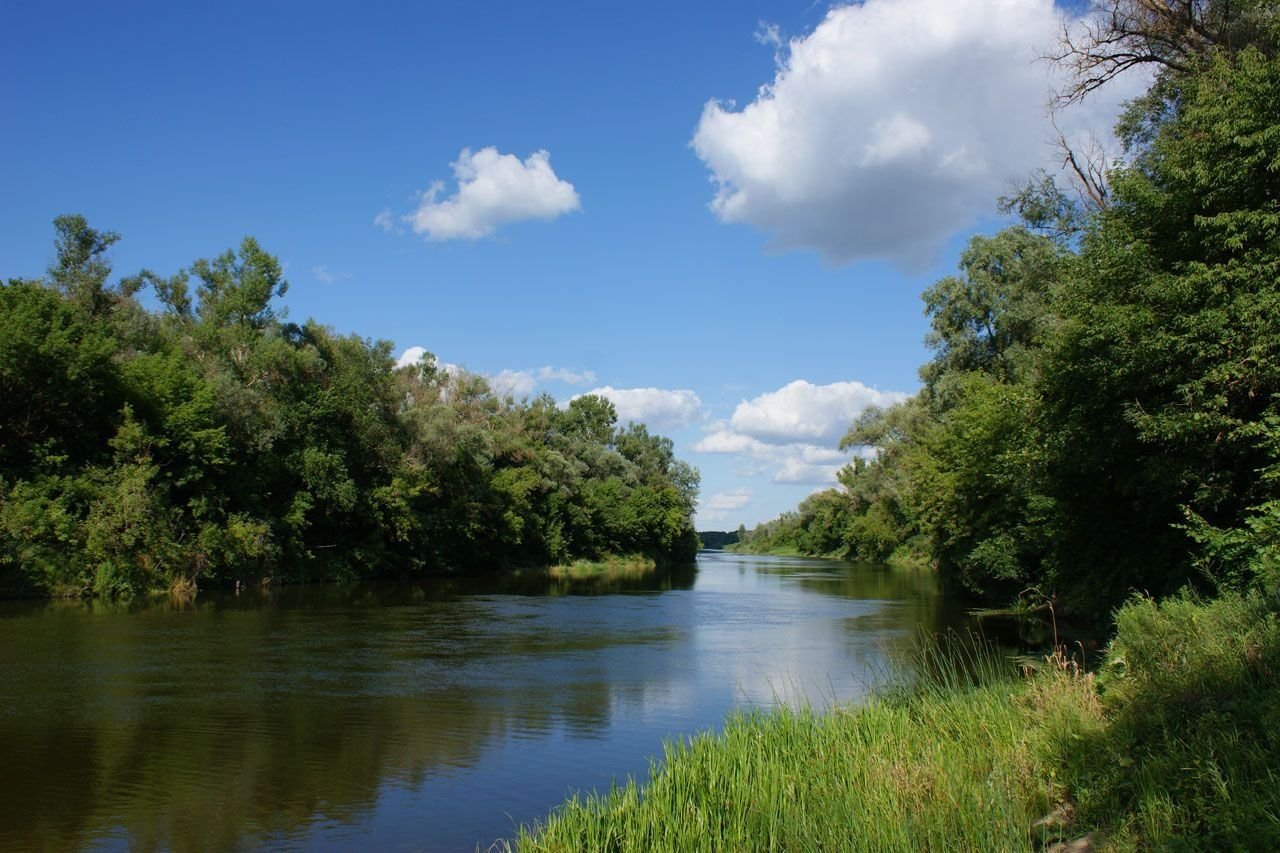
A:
(904, 556)
(1175, 743)
(767, 551)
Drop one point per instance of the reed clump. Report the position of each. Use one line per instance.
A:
(611, 568)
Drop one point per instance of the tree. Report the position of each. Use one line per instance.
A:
(990, 318)
(1175, 37)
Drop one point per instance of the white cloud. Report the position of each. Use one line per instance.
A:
(385, 220)
(493, 190)
(327, 275)
(411, 356)
(565, 375)
(724, 440)
(767, 34)
(892, 126)
(804, 412)
(794, 431)
(657, 408)
(515, 383)
(722, 501)
(795, 470)
(720, 505)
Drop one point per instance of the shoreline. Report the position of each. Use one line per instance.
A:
(977, 755)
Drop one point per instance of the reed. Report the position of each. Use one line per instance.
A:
(954, 760)
(609, 568)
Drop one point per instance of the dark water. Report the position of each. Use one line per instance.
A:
(413, 716)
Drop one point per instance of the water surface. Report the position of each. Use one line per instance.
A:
(433, 715)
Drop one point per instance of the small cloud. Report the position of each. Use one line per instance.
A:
(386, 221)
(328, 276)
(514, 383)
(724, 501)
(565, 375)
(767, 34)
(657, 408)
(727, 441)
(411, 356)
(493, 190)
(795, 471)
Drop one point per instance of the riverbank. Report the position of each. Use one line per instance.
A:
(1173, 743)
(904, 556)
(609, 569)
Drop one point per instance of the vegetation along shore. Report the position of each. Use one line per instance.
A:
(1099, 423)
(214, 443)
(1096, 430)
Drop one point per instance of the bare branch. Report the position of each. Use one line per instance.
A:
(1117, 35)
(1089, 168)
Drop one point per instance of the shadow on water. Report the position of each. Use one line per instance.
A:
(431, 712)
(204, 722)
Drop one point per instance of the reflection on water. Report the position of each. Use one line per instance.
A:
(431, 715)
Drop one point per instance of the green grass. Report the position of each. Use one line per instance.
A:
(955, 761)
(1190, 756)
(609, 568)
(1175, 745)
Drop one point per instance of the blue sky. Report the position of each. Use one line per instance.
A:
(739, 266)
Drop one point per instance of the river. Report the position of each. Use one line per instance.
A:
(432, 715)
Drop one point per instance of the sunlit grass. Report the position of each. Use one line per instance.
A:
(609, 568)
(1175, 746)
(956, 761)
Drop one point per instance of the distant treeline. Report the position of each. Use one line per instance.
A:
(718, 538)
(213, 442)
(1101, 413)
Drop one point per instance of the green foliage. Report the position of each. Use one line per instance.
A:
(990, 319)
(1163, 371)
(214, 443)
(717, 538)
(1191, 691)
(1100, 412)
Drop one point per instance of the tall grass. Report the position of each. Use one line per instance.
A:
(955, 761)
(1174, 746)
(610, 568)
(1190, 756)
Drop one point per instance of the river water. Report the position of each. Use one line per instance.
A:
(434, 715)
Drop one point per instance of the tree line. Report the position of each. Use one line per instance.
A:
(1101, 410)
(209, 441)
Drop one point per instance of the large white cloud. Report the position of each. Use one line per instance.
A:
(892, 126)
(794, 432)
(657, 408)
(493, 190)
(803, 412)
